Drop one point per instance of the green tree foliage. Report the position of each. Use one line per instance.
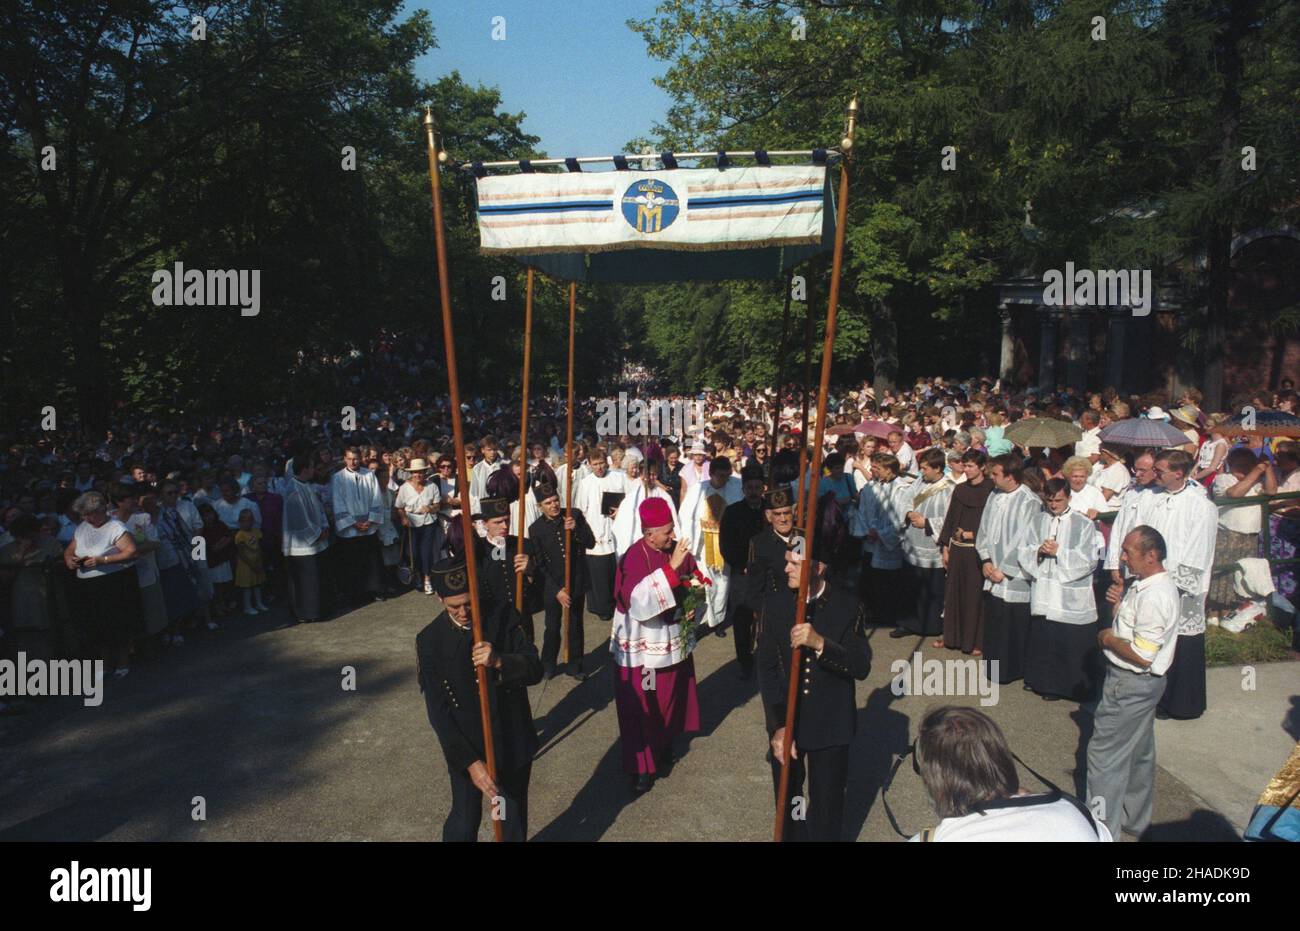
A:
(227, 152)
(1128, 148)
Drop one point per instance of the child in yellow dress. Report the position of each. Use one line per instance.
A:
(248, 563)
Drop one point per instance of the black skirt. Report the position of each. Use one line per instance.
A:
(304, 586)
(1184, 696)
(923, 600)
(1063, 660)
(600, 570)
(1006, 637)
(109, 608)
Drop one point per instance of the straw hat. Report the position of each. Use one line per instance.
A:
(1187, 414)
(418, 465)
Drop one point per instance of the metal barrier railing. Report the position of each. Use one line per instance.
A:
(1264, 503)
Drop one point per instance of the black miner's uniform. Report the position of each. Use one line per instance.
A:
(765, 578)
(740, 523)
(826, 715)
(497, 579)
(450, 688)
(547, 537)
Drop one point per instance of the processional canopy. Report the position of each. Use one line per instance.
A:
(671, 224)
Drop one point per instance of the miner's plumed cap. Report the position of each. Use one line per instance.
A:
(777, 498)
(450, 577)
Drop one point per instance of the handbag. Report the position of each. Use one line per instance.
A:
(406, 574)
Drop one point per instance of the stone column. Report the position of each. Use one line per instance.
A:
(1007, 362)
(1077, 349)
(1116, 336)
(1047, 319)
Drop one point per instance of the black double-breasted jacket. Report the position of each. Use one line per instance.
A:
(450, 686)
(826, 714)
(547, 537)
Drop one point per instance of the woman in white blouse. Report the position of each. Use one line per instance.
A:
(417, 507)
(1085, 498)
(1059, 553)
(106, 598)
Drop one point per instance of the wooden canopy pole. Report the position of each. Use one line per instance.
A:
(523, 440)
(462, 473)
(810, 517)
(803, 435)
(568, 475)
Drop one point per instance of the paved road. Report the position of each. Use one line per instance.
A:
(254, 720)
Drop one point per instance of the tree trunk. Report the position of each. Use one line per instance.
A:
(884, 348)
(93, 393)
(1240, 15)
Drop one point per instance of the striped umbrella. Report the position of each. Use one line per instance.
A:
(1043, 431)
(1143, 431)
(1261, 423)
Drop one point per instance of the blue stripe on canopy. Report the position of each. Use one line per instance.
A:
(741, 200)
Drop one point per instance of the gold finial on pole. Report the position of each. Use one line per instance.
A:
(428, 117)
(847, 142)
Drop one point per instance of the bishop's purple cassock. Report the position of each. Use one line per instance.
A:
(654, 685)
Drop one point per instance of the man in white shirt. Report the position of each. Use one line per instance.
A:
(357, 501)
(1139, 647)
(1089, 445)
(904, 453)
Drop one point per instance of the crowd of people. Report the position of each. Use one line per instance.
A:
(930, 522)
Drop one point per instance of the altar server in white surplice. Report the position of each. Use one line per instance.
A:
(592, 491)
(1059, 553)
(1006, 586)
(882, 518)
(354, 492)
(1126, 512)
(701, 518)
(627, 520)
(1188, 521)
(484, 468)
(925, 505)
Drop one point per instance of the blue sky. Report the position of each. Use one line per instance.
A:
(580, 75)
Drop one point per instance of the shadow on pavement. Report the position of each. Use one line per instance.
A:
(225, 717)
(1203, 825)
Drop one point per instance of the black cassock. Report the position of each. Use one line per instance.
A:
(450, 686)
(739, 525)
(826, 715)
(547, 538)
